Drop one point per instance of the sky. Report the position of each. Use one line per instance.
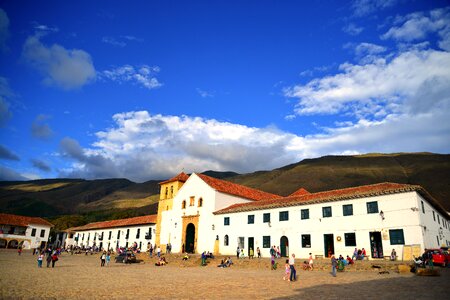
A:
(146, 89)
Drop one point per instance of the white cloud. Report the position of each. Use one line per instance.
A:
(113, 41)
(65, 68)
(383, 84)
(4, 29)
(417, 26)
(143, 75)
(45, 28)
(352, 29)
(205, 94)
(5, 93)
(363, 8)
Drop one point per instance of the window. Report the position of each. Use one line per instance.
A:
(225, 240)
(241, 242)
(439, 220)
(167, 191)
(226, 221)
(89, 236)
(192, 200)
(83, 236)
(42, 233)
(423, 207)
(437, 238)
(171, 191)
(110, 234)
(200, 202)
(434, 216)
(183, 204)
(372, 207)
(251, 219)
(350, 239)
(284, 215)
(128, 234)
(138, 233)
(347, 210)
(266, 218)
(266, 241)
(326, 211)
(306, 241)
(397, 237)
(304, 214)
(118, 234)
(33, 232)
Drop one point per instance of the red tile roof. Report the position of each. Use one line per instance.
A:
(236, 189)
(300, 192)
(150, 219)
(333, 195)
(180, 177)
(8, 219)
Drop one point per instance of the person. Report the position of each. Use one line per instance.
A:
(169, 248)
(251, 253)
(363, 253)
(151, 250)
(305, 265)
(186, 256)
(108, 258)
(287, 270)
(292, 266)
(349, 260)
(278, 252)
(229, 262)
(359, 255)
(54, 259)
(333, 265)
(203, 258)
(238, 252)
(258, 251)
(19, 250)
(272, 262)
(242, 253)
(158, 251)
(103, 259)
(39, 259)
(161, 262)
(49, 259)
(311, 262)
(393, 255)
(340, 263)
(222, 264)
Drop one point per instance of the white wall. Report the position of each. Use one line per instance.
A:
(396, 208)
(434, 228)
(31, 241)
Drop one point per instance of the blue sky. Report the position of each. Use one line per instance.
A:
(145, 89)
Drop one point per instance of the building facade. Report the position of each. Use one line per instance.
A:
(208, 214)
(21, 231)
(114, 234)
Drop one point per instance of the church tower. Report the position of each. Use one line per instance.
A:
(169, 189)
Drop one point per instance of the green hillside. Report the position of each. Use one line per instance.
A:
(72, 202)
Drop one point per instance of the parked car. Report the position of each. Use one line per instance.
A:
(440, 256)
(126, 257)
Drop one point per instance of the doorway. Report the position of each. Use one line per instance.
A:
(376, 244)
(251, 244)
(284, 246)
(328, 241)
(190, 238)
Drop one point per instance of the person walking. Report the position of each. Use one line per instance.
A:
(311, 262)
(108, 258)
(49, 258)
(251, 254)
(54, 259)
(158, 251)
(151, 250)
(258, 252)
(238, 252)
(292, 266)
(40, 259)
(333, 265)
(103, 259)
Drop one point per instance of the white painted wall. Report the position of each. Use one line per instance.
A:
(31, 241)
(434, 228)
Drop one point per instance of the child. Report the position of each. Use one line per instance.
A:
(39, 260)
(287, 270)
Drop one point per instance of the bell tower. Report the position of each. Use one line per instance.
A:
(169, 189)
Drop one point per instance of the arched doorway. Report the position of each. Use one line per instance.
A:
(13, 244)
(190, 238)
(284, 246)
(3, 243)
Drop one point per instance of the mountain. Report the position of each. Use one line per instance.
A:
(78, 201)
(431, 171)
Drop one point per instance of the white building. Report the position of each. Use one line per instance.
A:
(114, 234)
(208, 214)
(26, 232)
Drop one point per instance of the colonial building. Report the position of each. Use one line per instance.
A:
(199, 213)
(114, 234)
(26, 232)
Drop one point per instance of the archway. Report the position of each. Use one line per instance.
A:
(13, 244)
(284, 246)
(3, 243)
(190, 238)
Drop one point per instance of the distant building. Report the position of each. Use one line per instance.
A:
(199, 213)
(114, 234)
(26, 232)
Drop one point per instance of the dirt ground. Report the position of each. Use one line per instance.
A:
(81, 277)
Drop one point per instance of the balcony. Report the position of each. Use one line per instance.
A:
(100, 238)
(148, 236)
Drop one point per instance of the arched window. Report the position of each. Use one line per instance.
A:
(183, 204)
(200, 202)
(225, 240)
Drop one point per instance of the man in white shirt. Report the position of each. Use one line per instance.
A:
(292, 266)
